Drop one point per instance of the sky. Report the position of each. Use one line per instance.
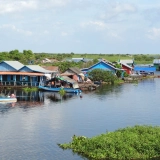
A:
(80, 26)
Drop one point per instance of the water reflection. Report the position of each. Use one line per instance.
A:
(56, 97)
(105, 89)
(24, 99)
(32, 127)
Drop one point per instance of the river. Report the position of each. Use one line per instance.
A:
(32, 127)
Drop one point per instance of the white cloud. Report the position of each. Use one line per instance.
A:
(58, 3)
(102, 28)
(11, 6)
(13, 28)
(154, 33)
(116, 9)
(100, 25)
(17, 6)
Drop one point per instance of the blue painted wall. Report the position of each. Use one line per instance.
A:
(6, 67)
(145, 68)
(99, 65)
(25, 69)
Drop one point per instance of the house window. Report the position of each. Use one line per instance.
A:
(12, 77)
(24, 78)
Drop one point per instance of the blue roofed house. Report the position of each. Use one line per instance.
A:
(101, 65)
(8, 70)
(15, 73)
(145, 69)
(34, 80)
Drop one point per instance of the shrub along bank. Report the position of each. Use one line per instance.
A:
(131, 143)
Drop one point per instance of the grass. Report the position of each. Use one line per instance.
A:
(131, 143)
(110, 57)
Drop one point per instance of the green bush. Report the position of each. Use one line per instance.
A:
(102, 75)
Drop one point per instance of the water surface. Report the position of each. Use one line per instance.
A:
(32, 127)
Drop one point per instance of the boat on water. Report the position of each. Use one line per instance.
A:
(7, 99)
(54, 89)
(60, 83)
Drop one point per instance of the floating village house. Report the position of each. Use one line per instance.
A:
(129, 62)
(101, 65)
(144, 69)
(16, 74)
(74, 73)
(127, 68)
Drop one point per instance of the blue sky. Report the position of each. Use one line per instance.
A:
(81, 26)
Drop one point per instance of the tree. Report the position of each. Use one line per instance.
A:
(95, 61)
(28, 55)
(118, 72)
(15, 55)
(102, 75)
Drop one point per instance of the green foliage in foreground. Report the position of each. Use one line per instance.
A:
(131, 143)
(27, 89)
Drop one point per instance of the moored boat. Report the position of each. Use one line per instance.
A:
(7, 99)
(56, 84)
(54, 89)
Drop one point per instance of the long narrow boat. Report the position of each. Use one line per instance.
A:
(7, 99)
(54, 89)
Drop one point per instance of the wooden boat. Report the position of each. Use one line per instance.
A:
(54, 89)
(7, 99)
(67, 84)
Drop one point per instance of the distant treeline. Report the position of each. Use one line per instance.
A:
(28, 57)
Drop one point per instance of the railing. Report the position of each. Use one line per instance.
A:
(18, 83)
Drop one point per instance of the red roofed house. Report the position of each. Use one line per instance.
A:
(127, 68)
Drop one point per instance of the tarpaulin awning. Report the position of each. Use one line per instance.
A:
(69, 80)
(65, 78)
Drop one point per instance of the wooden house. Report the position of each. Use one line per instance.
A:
(16, 74)
(34, 80)
(129, 62)
(127, 68)
(74, 73)
(100, 65)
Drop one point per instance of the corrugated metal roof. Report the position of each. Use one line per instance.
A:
(75, 70)
(68, 79)
(22, 73)
(67, 74)
(15, 64)
(51, 68)
(156, 61)
(104, 63)
(126, 61)
(37, 68)
(127, 65)
(145, 68)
